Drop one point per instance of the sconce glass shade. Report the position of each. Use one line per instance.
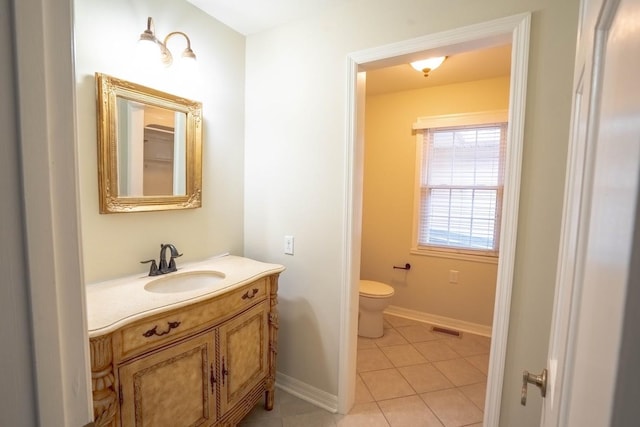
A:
(188, 61)
(427, 65)
(148, 47)
(187, 67)
(166, 58)
(147, 52)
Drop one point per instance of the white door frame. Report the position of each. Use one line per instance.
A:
(514, 29)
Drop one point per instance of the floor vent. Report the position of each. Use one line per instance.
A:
(446, 331)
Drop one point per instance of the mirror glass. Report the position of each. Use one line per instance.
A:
(149, 148)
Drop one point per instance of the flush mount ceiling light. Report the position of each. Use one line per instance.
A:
(150, 43)
(428, 65)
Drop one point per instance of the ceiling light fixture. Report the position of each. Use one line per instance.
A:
(150, 43)
(428, 65)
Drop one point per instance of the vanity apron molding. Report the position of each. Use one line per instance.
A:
(194, 357)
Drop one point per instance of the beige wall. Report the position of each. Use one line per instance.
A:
(295, 180)
(106, 33)
(388, 203)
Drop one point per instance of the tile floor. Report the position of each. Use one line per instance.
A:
(411, 377)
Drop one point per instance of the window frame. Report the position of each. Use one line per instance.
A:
(421, 126)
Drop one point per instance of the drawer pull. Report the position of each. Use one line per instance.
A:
(154, 331)
(250, 294)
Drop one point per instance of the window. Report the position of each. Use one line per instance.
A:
(460, 188)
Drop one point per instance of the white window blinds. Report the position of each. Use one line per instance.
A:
(461, 187)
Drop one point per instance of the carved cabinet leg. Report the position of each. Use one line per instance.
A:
(273, 344)
(105, 405)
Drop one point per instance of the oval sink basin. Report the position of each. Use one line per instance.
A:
(183, 282)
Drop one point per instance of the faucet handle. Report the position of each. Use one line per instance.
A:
(153, 270)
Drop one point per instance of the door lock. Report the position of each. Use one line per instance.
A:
(538, 380)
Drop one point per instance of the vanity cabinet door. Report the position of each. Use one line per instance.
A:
(243, 355)
(172, 387)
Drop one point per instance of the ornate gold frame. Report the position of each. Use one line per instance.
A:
(107, 90)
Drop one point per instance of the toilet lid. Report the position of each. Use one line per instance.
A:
(374, 289)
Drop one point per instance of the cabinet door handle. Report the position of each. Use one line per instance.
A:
(154, 331)
(250, 293)
(225, 372)
(213, 380)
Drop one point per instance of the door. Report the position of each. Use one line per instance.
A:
(243, 351)
(18, 406)
(173, 387)
(599, 218)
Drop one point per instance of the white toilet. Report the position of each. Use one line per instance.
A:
(374, 298)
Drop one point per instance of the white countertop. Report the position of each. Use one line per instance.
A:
(114, 303)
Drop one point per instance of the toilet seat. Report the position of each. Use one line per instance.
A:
(372, 289)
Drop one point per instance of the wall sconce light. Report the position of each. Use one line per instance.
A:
(428, 65)
(150, 43)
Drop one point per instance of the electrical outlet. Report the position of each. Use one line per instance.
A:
(453, 276)
(288, 245)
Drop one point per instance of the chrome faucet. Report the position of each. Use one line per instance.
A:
(164, 268)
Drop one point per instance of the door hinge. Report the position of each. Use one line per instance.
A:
(120, 398)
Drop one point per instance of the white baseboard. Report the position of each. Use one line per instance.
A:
(446, 322)
(307, 392)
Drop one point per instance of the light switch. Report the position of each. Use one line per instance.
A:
(288, 245)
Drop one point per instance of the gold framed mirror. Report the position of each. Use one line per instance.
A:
(149, 148)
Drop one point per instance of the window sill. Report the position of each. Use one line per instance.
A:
(453, 254)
